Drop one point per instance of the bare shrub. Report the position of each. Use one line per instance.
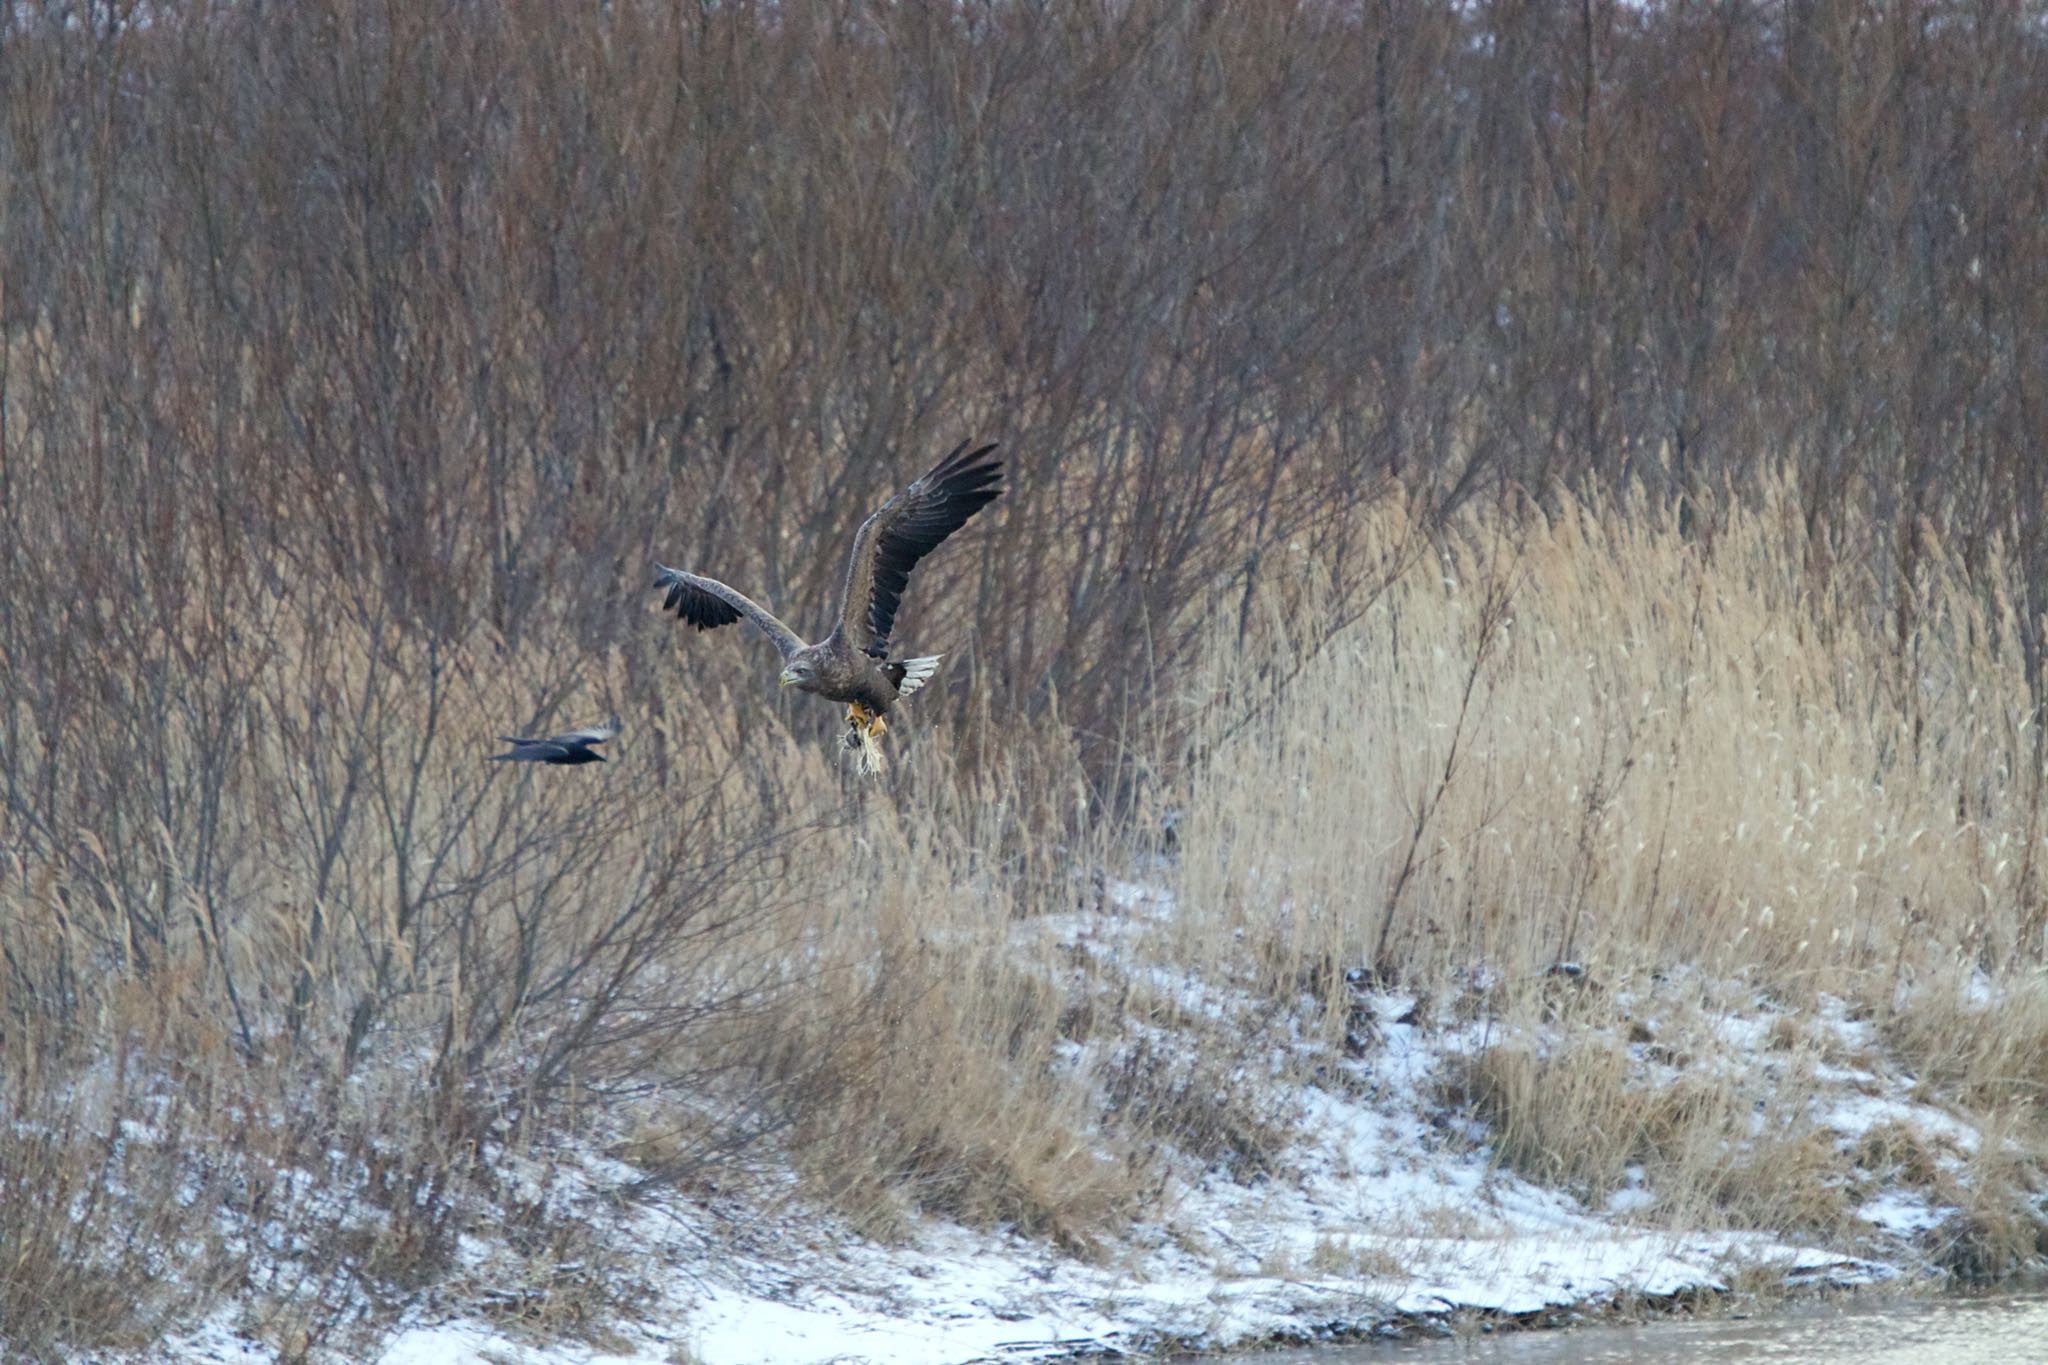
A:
(1663, 585)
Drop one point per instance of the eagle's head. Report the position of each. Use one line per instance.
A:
(806, 669)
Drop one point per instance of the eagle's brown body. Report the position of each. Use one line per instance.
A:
(842, 675)
(852, 664)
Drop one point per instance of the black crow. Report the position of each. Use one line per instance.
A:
(574, 747)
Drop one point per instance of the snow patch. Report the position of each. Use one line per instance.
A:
(1388, 1206)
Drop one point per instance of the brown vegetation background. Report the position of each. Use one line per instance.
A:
(357, 360)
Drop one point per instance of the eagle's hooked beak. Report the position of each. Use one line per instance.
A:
(788, 676)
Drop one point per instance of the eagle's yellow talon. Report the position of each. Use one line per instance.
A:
(864, 730)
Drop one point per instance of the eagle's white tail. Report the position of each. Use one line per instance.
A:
(916, 673)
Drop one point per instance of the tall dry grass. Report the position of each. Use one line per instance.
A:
(1580, 736)
(1598, 784)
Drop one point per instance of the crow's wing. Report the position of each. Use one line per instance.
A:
(589, 735)
(531, 751)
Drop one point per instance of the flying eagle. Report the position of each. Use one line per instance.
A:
(574, 747)
(852, 664)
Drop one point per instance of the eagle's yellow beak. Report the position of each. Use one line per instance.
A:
(788, 677)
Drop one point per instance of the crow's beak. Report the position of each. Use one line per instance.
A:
(787, 677)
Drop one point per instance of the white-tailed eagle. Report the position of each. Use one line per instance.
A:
(852, 664)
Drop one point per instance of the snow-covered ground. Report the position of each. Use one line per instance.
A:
(1387, 1213)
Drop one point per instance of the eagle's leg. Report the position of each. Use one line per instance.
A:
(864, 729)
(862, 721)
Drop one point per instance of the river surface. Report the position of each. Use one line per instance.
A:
(1986, 1329)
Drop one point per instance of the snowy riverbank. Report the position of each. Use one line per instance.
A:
(1389, 1210)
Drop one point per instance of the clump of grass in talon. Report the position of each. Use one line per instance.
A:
(864, 731)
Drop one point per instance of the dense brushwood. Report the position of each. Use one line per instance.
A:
(1584, 457)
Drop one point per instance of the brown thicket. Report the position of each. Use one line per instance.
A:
(357, 360)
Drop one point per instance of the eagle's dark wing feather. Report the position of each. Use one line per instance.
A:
(907, 528)
(707, 603)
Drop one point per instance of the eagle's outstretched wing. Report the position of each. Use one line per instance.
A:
(907, 528)
(707, 603)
